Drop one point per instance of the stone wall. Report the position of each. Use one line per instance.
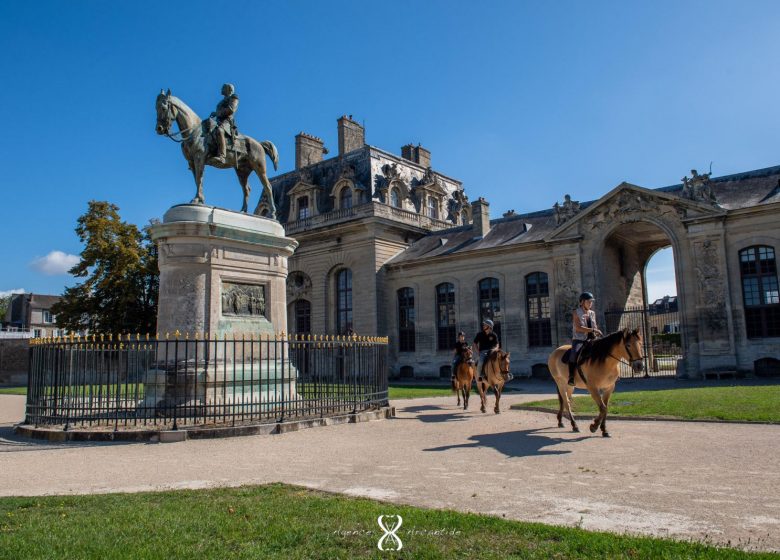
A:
(14, 361)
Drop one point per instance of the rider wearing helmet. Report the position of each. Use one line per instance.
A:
(584, 329)
(460, 347)
(484, 343)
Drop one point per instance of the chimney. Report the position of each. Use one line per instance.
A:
(352, 136)
(308, 150)
(480, 216)
(417, 154)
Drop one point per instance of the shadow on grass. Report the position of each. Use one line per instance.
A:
(520, 443)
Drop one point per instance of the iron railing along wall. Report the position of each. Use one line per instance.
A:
(131, 381)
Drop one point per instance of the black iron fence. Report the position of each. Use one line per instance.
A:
(661, 335)
(133, 381)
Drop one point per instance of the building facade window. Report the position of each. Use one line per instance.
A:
(344, 301)
(345, 197)
(303, 316)
(47, 316)
(446, 325)
(406, 320)
(395, 198)
(303, 208)
(758, 268)
(489, 303)
(537, 292)
(433, 208)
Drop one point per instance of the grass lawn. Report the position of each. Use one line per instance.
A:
(755, 403)
(397, 391)
(400, 391)
(279, 521)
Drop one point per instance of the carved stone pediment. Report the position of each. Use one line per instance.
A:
(629, 203)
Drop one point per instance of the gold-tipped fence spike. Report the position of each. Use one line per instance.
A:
(176, 333)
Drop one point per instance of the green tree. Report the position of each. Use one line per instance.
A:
(4, 303)
(119, 265)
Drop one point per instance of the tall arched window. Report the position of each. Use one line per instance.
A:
(445, 316)
(406, 320)
(537, 293)
(489, 303)
(433, 208)
(344, 301)
(345, 197)
(760, 291)
(395, 198)
(303, 316)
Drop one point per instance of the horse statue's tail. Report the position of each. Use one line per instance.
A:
(270, 150)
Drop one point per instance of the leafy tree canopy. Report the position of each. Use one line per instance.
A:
(119, 267)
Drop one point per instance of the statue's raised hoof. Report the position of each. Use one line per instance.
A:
(196, 200)
(593, 428)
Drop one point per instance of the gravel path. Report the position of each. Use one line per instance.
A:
(716, 482)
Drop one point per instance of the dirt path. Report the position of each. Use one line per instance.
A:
(719, 482)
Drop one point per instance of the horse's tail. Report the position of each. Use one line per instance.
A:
(454, 384)
(270, 150)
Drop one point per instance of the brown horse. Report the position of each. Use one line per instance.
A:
(601, 367)
(495, 374)
(464, 376)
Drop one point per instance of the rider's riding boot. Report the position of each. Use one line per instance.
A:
(221, 148)
(572, 367)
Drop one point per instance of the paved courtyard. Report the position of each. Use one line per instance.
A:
(719, 482)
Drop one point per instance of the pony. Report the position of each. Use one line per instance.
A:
(600, 364)
(464, 376)
(246, 154)
(495, 374)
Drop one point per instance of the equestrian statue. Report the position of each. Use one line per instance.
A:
(217, 142)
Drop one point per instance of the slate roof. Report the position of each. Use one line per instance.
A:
(741, 190)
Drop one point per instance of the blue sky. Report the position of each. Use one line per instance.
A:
(522, 101)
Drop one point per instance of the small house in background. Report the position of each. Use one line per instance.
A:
(30, 316)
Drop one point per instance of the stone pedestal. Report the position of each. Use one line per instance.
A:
(222, 273)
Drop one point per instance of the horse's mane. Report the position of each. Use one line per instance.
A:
(599, 350)
(183, 107)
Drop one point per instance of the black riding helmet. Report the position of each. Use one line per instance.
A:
(585, 296)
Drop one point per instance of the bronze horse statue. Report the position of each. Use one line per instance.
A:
(464, 376)
(246, 154)
(495, 374)
(600, 364)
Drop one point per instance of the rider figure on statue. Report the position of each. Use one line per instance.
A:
(584, 329)
(225, 124)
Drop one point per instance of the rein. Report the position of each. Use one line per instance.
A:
(630, 357)
(182, 133)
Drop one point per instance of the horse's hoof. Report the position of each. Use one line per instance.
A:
(605, 434)
(560, 424)
(497, 411)
(575, 429)
(593, 428)
(482, 410)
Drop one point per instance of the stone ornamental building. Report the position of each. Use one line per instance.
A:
(390, 246)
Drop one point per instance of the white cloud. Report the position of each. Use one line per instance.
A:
(55, 263)
(7, 293)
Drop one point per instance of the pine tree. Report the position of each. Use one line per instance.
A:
(119, 265)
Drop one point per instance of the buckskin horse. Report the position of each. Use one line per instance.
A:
(464, 376)
(495, 374)
(600, 364)
(246, 155)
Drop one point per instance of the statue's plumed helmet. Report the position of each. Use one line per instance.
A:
(228, 89)
(585, 296)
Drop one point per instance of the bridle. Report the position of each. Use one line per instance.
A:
(631, 358)
(181, 133)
